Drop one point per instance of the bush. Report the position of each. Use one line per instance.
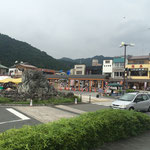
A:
(52, 100)
(130, 90)
(86, 131)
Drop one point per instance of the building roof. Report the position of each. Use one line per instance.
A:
(118, 60)
(25, 66)
(139, 57)
(3, 67)
(76, 76)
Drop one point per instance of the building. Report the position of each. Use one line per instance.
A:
(14, 72)
(138, 71)
(93, 70)
(95, 62)
(118, 68)
(107, 67)
(3, 70)
(79, 69)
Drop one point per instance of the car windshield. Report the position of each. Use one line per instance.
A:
(127, 97)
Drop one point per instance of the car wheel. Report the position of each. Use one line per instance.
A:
(131, 108)
(148, 109)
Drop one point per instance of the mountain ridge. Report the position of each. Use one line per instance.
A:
(12, 50)
(87, 61)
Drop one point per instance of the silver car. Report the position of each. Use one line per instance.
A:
(133, 101)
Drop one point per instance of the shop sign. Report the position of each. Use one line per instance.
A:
(141, 66)
(132, 66)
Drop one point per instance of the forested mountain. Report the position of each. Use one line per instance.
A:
(86, 61)
(12, 50)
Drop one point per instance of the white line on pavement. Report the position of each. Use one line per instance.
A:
(18, 114)
(11, 121)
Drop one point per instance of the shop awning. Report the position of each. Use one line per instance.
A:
(16, 81)
(114, 85)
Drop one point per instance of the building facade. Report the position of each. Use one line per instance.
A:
(107, 67)
(138, 71)
(118, 68)
(95, 62)
(79, 69)
(93, 70)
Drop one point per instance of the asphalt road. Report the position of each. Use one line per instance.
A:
(88, 107)
(10, 118)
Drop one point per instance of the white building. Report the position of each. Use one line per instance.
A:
(79, 69)
(107, 67)
(14, 72)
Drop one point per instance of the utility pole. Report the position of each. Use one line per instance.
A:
(125, 55)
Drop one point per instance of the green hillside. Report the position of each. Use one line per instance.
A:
(12, 50)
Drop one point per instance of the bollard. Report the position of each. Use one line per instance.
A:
(89, 98)
(81, 97)
(75, 101)
(31, 102)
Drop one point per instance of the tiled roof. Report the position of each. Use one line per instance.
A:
(77, 76)
(139, 57)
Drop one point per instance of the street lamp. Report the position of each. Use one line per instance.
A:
(125, 45)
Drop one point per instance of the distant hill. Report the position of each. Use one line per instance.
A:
(12, 50)
(87, 61)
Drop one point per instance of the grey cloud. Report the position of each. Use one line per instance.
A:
(78, 28)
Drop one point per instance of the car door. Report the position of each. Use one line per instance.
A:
(139, 103)
(146, 101)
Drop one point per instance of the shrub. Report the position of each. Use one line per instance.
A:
(84, 132)
(130, 90)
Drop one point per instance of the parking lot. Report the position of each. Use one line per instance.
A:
(11, 118)
(17, 116)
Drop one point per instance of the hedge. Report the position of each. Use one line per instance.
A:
(83, 132)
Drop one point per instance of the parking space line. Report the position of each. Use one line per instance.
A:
(10, 121)
(18, 114)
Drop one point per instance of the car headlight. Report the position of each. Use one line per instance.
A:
(123, 106)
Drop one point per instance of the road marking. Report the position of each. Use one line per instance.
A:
(18, 114)
(10, 121)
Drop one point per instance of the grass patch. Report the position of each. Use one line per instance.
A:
(84, 132)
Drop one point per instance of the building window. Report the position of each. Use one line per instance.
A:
(107, 61)
(116, 74)
(139, 72)
(121, 64)
(79, 67)
(117, 64)
(121, 74)
(79, 72)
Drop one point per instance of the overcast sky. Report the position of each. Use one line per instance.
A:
(78, 28)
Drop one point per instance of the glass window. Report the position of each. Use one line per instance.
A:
(121, 74)
(139, 73)
(145, 97)
(107, 61)
(117, 64)
(139, 98)
(127, 97)
(121, 64)
(79, 72)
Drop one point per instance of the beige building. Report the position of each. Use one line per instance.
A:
(95, 62)
(79, 69)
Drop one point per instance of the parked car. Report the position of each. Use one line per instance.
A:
(133, 101)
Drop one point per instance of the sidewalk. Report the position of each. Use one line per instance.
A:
(141, 142)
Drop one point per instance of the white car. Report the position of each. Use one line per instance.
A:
(133, 101)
